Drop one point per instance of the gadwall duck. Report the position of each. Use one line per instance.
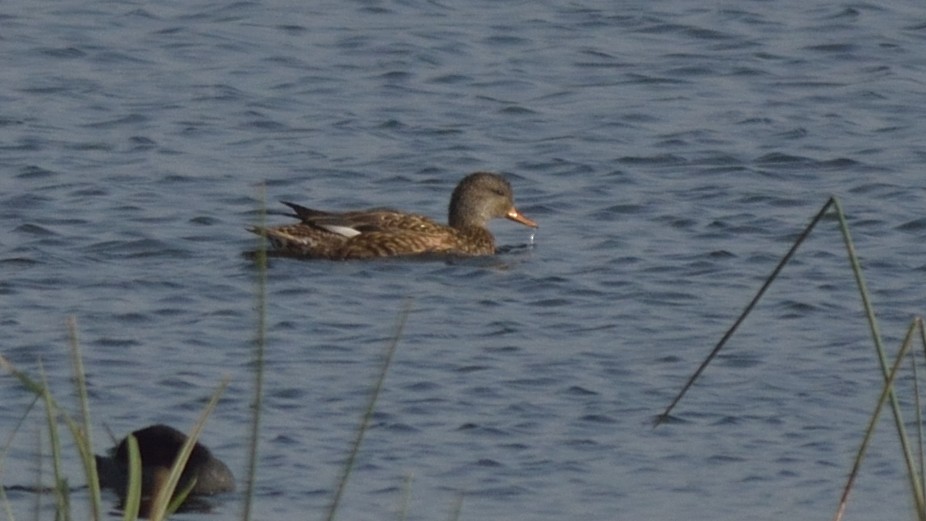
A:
(366, 234)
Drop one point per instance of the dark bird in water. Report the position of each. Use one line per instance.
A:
(158, 446)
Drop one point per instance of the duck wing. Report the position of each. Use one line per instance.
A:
(350, 224)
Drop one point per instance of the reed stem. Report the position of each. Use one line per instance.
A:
(886, 391)
(742, 317)
(882, 359)
(260, 343)
(368, 413)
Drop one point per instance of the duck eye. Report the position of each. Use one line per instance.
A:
(499, 191)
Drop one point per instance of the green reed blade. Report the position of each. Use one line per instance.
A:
(181, 496)
(736, 324)
(406, 497)
(918, 411)
(161, 502)
(919, 416)
(132, 502)
(882, 358)
(40, 456)
(457, 508)
(62, 498)
(83, 433)
(260, 343)
(368, 413)
(886, 391)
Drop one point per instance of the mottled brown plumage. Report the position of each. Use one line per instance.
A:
(383, 232)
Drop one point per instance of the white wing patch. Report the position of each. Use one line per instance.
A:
(346, 231)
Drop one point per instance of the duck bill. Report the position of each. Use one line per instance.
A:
(516, 216)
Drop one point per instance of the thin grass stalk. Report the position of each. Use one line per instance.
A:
(87, 460)
(919, 321)
(40, 457)
(9, 440)
(260, 343)
(406, 497)
(6, 503)
(736, 324)
(6, 449)
(919, 415)
(40, 389)
(132, 503)
(886, 391)
(62, 498)
(83, 433)
(457, 508)
(31, 385)
(19, 423)
(86, 453)
(919, 411)
(882, 358)
(368, 414)
(180, 497)
(161, 502)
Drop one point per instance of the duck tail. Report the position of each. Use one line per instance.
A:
(304, 213)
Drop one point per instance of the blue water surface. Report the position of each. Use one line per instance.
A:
(671, 152)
